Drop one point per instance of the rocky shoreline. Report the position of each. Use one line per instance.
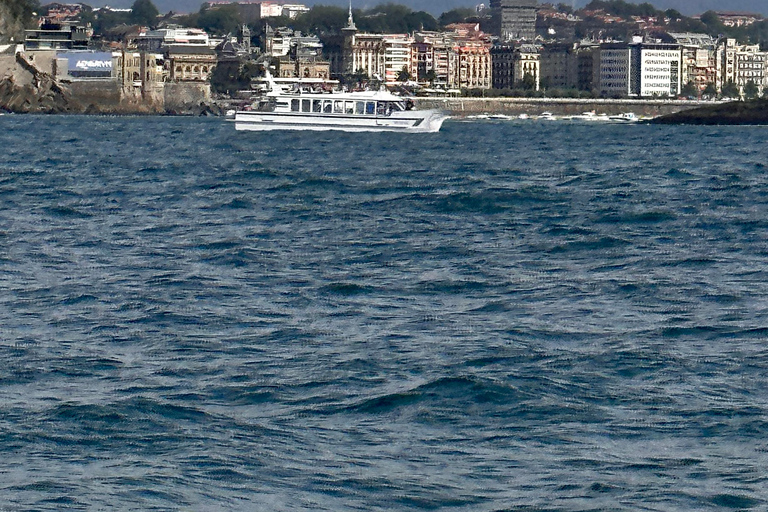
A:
(753, 112)
(26, 89)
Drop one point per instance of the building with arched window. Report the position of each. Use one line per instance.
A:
(189, 64)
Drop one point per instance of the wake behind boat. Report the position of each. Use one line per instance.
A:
(304, 108)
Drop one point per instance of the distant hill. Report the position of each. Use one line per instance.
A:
(436, 7)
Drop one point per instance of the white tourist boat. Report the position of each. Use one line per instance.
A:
(306, 108)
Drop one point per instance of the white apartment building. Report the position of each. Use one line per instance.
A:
(294, 10)
(660, 70)
(270, 10)
(640, 69)
(383, 56)
(397, 57)
(741, 64)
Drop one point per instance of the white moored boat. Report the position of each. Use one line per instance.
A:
(301, 108)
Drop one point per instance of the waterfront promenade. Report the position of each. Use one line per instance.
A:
(558, 106)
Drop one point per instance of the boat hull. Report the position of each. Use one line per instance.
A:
(419, 121)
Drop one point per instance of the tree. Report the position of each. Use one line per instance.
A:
(713, 23)
(710, 91)
(404, 75)
(730, 90)
(456, 16)
(689, 90)
(673, 14)
(144, 13)
(529, 82)
(15, 16)
(751, 90)
(221, 19)
(323, 20)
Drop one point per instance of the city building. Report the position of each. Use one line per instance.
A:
(60, 13)
(516, 67)
(742, 64)
(154, 40)
(58, 36)
(86, 64)
(738, 19)
(457, 58)
(304, 60)
(294, 10)
(640, 69)
(557, 65)
(699, 65)
(518, 20)
(189, 64)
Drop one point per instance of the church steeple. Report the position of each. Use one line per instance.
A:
(350, 21)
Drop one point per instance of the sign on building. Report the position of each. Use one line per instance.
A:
(88, 64)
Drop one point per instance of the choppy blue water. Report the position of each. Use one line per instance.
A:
(501, 316)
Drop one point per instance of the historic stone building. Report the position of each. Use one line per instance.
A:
(189, 64)
(516, 66)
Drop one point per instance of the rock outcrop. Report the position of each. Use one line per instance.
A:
(754, 112)
(26, 89)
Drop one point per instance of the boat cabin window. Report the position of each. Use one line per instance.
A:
(360, 108)
(370, 108)
(327, 106)
(294, 105)
(306, 105)
(338, 107)
(317, 106)
(381, 108)
(349, 107)
(282, 104)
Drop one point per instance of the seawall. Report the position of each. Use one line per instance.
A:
(559, 106)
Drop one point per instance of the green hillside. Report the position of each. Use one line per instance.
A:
(14, 16)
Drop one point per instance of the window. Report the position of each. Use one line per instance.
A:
(381, 108)
(349, 107)
(306, 105)
(338, 107)
(360, 108)
(370, 108)
(294, 105)
(317, 106)
(327, 106)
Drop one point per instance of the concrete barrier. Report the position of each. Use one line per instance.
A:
(558, 106)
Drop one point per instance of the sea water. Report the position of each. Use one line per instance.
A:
(500, 316)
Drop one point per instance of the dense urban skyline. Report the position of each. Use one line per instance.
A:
(436, 7)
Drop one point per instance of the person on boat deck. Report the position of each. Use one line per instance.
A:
(409, 104)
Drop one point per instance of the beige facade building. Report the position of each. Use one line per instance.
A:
(457, 58)
(699, 64)
(186, 64)
(742, 64)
